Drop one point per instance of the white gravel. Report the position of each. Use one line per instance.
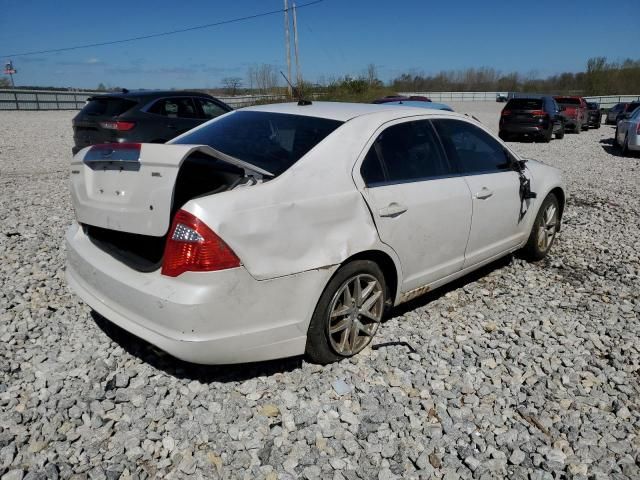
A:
(527, 371)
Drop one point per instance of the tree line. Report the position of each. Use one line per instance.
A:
(601, 77)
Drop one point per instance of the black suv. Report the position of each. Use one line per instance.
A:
(595, 115)
(142, 116)
(536, 117)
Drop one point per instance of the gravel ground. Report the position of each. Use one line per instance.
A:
(522, 370)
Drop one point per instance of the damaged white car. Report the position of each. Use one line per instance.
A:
(279, 230)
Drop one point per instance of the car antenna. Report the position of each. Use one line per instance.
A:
(301, 101)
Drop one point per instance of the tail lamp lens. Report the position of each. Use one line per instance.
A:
(118, 125)
(193, 247)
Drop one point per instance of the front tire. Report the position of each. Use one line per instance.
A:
(348, 312)
(544, 230)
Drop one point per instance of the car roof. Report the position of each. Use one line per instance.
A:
(420, 104)
(152, 94)
(343, 111)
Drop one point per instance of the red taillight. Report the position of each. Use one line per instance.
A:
(193, 247)
(539, 113)
(118, 125)
(506, 113)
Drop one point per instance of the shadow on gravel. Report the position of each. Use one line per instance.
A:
(236, 373)
(610, 147)
(461, 282)
(180, 369)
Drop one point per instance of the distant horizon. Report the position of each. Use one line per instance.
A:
(336, 39)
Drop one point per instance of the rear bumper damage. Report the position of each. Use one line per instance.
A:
(202, 317)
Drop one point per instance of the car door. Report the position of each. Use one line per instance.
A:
(179, 115)
(497, 225)
(421, 208)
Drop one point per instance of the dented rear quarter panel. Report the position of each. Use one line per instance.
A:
(311, 217)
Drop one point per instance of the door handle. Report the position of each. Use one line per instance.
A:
(392, 210)
(483, 194)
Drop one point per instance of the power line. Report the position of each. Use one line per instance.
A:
(161, 34)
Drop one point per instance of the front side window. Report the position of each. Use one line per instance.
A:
(474, 150)
(405, 152)
(271, 141)
(175, 108)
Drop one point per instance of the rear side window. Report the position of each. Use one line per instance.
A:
(108, 106)
(632, 106)
(271, 141)
(182, 107)
(474, 150)
(210, 109)
(524, 104)
(405, 152)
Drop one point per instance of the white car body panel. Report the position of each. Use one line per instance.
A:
(496, 225)
(628, 129)
(291, 233)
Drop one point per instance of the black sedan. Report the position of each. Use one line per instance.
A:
(594, 118)
(142, 116)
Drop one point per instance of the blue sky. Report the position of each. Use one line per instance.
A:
(337, 37)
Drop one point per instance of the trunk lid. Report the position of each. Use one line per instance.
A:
(130, 187)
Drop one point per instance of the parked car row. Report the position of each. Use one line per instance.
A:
(540, 117)
(619, 110)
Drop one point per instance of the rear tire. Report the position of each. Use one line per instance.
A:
(546, 138)
(504, 136)
(348, 312)
(544, 230)
(578, 128)
(560, 134)
(624, 150)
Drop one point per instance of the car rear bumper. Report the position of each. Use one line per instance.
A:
(524, 129)
(202, 317)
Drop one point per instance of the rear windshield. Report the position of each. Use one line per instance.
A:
(568, 101)
(593, 105)
(271, 141)
(524, 104)
(107, 106)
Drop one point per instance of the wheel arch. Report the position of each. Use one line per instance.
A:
(390, 269)
(560, 195)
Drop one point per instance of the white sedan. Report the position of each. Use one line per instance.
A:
(279, 230)
(627, 134)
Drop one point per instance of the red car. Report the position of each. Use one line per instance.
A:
(575, 112)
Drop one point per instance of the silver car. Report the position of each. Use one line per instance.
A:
(628, 133)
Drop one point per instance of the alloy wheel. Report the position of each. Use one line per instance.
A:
(547, 227)
(355, 313)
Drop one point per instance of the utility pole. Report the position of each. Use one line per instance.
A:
(287, 42)
(295, 44)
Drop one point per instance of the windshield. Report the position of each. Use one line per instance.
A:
(271, 141)
(524, 104)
